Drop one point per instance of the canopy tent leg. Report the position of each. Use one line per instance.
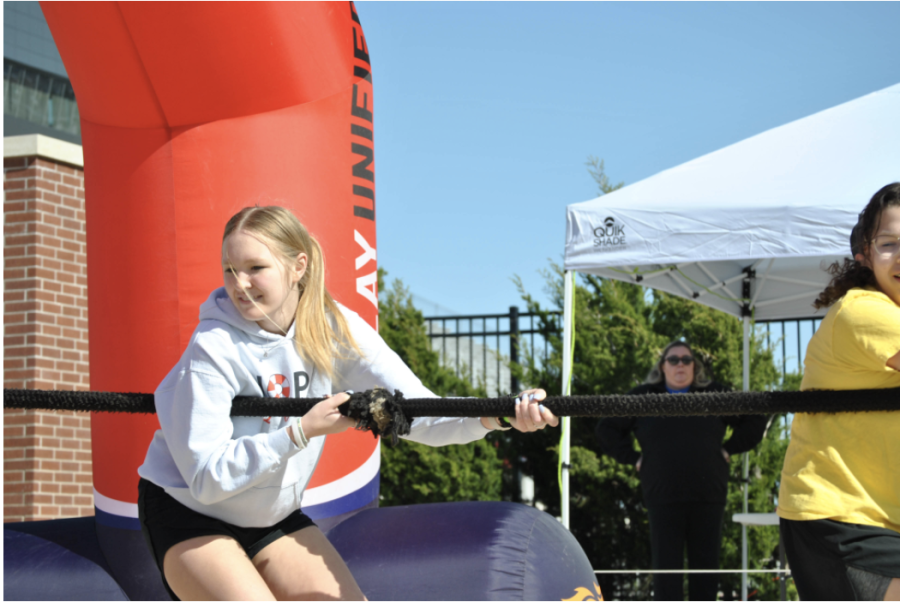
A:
(746, 467)
(568, 334)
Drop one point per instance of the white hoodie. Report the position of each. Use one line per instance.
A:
(247, 471)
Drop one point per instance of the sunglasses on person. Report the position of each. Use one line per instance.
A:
(684, 359)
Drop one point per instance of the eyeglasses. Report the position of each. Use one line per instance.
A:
(886, 245)
(684, 359)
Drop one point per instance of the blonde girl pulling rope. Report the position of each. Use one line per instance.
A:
(219, 497)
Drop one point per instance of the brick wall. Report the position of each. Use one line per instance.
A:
(47, 455)
(46, 465)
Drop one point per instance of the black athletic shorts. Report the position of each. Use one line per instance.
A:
(830, 560)
(166, 522)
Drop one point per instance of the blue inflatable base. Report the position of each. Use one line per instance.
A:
(56, 560)
(462, 551)
(449, 551)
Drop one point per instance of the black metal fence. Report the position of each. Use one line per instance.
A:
(484, 347)
(787, 337)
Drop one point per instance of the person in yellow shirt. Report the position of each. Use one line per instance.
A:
(839, 501)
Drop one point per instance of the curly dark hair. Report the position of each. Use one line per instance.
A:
(851, 273)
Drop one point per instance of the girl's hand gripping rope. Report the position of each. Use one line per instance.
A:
(325, 419)
(531, 415)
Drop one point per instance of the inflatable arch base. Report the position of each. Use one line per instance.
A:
(448, 551)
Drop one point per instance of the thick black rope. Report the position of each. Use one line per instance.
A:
(651, 404)
(384, 413)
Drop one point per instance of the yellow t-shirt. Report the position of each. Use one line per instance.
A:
(846, 466)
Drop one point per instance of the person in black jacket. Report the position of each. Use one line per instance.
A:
(683, 467)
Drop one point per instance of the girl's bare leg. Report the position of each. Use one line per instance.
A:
(893, 590)
(213, 567)
(305, 566)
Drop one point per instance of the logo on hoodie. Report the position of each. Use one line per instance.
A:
(279, 386)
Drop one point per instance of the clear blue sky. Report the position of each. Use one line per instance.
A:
(485, 114)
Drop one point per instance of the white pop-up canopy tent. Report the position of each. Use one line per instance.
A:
(745, 229)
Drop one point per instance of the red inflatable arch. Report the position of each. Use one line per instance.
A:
(190, 111)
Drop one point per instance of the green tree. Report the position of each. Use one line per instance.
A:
(412, 473)
(620, 330)
(597, 169)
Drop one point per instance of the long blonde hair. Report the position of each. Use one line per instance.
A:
(314, 337)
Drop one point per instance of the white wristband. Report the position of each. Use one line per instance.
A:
(300, 439)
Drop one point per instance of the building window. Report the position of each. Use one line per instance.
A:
(39, 97)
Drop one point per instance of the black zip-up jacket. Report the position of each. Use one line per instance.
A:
(682, 456)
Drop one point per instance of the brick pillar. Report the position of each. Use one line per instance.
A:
(47, 455)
